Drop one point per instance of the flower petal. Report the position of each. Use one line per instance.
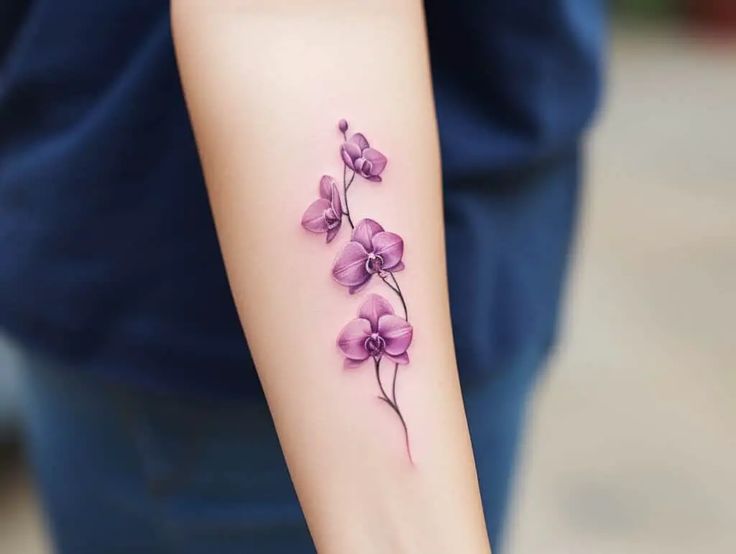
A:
(335, 200)
(364, 167)
(396, 332)
(398, 267)
(349, 268)
(314, 217)
(351, 340)
(359, 140)
(352, 364)
(349, 152)
(373, 308)
(378, 160)
(332, 233)
(326, 184)
(358, 166)
(374, 178)
(356, 288)
(364, 231)
(346, 159)
(390, 247)
(400, 359)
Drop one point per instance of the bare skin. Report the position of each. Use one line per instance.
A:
(266, 83)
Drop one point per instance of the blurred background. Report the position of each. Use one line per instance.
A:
(631, 443)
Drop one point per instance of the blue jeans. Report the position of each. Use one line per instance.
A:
(124, 470)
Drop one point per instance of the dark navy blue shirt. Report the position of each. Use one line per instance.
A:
(108, 256)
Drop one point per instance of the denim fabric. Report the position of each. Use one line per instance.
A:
(125, 470)
(122, 470)
(508, 248)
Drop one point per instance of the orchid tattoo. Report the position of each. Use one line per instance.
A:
(325, 215)
(371, 251)
(377, 333)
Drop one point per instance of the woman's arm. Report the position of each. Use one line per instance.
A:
(364, 392)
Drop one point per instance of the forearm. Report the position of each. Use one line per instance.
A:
(266, 83)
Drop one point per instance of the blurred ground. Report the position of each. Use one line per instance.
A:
(20, 529)
(632, 446)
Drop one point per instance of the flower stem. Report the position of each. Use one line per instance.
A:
(389, 285)
(393, 405)
(345, 186)
(401, 296)
(397, 289)
(377, 364)
(393, 385)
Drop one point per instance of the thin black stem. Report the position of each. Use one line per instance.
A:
(397, 289)
(389, 285)
(377, 364)
(401, 296)
(392, 404)
(345, 186)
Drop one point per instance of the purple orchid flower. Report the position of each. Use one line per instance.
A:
(325, 214)
(377, 332)
(371, 251)
(361, 158)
